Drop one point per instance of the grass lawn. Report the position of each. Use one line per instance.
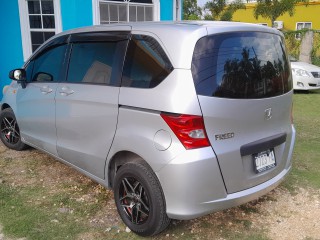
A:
(41, 198)
(306, 158)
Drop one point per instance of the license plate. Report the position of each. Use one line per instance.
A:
(264, 160)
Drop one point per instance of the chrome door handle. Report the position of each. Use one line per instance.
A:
(66, 91)
(46, 89)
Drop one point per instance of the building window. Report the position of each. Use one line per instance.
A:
(40, 20)
(126, 11)
(301, 26)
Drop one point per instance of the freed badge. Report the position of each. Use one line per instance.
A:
(224, 136)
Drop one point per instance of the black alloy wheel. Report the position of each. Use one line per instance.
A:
(10, 132)
(134, 200)
(139, 199)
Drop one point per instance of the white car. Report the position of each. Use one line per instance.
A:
(305, 76)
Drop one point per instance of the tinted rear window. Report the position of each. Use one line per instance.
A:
(146, 64)
(241, 65)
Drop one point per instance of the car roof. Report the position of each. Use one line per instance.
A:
(186, 26)
(177, 38)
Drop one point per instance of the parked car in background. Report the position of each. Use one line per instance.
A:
(179, 119)
(305, 76)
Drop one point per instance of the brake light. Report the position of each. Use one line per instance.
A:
(189, 129)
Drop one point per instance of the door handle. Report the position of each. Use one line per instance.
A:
(66, 91)
(46, 89)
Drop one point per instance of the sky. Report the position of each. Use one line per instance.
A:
(201, 2)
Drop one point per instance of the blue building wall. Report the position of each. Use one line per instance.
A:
(166, 10)
(76, 15)
(11, 55)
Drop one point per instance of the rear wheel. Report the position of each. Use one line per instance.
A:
(139, 199)
(10, 132)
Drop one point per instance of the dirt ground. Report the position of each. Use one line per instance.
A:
(291, 216)
(280, 214)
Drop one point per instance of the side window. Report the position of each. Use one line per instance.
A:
(48, 65)
(146, 64)
(92, 62)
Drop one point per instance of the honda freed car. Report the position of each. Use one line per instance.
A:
(179, 119)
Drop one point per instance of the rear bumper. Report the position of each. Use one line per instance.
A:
(193, 186)
(245, 196)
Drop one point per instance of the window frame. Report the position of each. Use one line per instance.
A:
(25, 25)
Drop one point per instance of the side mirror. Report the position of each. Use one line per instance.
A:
(18, 75)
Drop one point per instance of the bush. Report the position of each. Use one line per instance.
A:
(315, 55)
(293, 44)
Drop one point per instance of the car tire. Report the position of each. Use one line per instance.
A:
(139, 199)
(10, 132)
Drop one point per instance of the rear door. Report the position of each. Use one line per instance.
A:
(87, 103)
(244, 87)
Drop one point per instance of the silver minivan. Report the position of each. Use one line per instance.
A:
(179, 119)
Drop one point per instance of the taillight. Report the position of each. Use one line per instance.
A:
(189, 129)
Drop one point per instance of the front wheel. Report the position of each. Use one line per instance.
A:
(10, 132)
(139, 199)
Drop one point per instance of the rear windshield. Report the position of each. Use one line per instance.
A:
(241, 65)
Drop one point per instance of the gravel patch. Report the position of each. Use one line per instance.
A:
(290, 216)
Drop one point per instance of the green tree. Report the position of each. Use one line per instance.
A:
(222, 11)
(191, 10)
(272, 9)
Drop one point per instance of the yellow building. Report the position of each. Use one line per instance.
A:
(304, 17)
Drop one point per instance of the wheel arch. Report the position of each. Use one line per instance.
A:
(5, 106)
(119, 159)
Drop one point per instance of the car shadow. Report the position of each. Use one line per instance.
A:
(307, 91)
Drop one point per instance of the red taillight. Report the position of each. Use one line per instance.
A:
(189, 130)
